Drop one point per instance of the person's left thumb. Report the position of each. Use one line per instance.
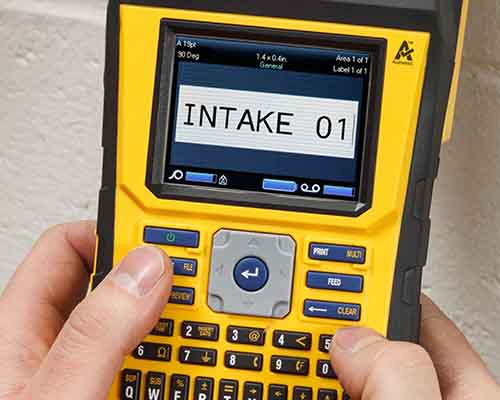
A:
(104, 328)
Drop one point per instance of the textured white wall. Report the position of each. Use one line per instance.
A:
(51, 62)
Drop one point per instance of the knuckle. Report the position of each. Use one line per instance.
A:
(84, 326)
(52, 231)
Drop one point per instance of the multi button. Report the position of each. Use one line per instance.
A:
(338, 253)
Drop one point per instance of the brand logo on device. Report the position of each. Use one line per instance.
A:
(405, 54)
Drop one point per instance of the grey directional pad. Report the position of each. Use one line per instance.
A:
(231, 250)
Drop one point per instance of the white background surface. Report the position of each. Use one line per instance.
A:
(51, 62)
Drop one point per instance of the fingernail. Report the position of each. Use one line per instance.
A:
(354, 339)
(140, 271)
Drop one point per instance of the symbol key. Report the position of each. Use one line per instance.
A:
(290, 365)
(253, 391)
(130, 384)
(197, 356)
(327, 394)
(228, 390)
(302, 393)
(179, 387)
(242, 335)
(155, 386)
(239, 360)
(204, 389)
(278, 392)
(292, 340)
(324, 369)
(153, 352)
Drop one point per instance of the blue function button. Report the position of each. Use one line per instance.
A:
(331, 310)
(251, 274)
(171, 237)
(275, 185)
(198, 177)
(184, 267)
(334, 252)
(331, 281)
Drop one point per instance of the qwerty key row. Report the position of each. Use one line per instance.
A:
(155, 388)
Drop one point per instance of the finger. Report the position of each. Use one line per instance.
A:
(104, 328)
(45, 288)
(372, 368)
(458, 366)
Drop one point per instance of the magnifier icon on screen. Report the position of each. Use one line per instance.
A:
(177, 175)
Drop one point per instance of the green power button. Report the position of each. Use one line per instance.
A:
(171, 237)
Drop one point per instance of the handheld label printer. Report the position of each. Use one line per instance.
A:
(283, 153)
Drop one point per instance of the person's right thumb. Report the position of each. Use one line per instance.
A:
(372, 368)
(104, 328)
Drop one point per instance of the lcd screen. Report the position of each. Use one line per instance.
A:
(266, 117)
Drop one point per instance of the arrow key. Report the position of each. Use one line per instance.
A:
(278, 392)
(292, 340)
(302, 393)
(252, 391)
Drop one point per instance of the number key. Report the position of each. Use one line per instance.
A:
(292, 340)
(290, 365)
(153, 352)
(248, 361)
(165, 327)
(243, 335)
(201, 331)
(198, 356)
(324, 370)
(325, 342)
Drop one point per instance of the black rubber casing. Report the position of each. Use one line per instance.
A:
(441, 18)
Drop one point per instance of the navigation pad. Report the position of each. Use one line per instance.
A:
(251, 274)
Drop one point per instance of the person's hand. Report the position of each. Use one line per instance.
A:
(445, 367)
(55, 346)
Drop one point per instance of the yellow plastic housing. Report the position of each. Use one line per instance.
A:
(378, 229)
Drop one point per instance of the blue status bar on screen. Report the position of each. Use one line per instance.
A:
(339, 191)
(197, 177)
(275, 185)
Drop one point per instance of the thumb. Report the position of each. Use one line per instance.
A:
(104, 328)
(373, 368)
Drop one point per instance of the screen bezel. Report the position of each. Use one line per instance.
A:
(161, 116)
